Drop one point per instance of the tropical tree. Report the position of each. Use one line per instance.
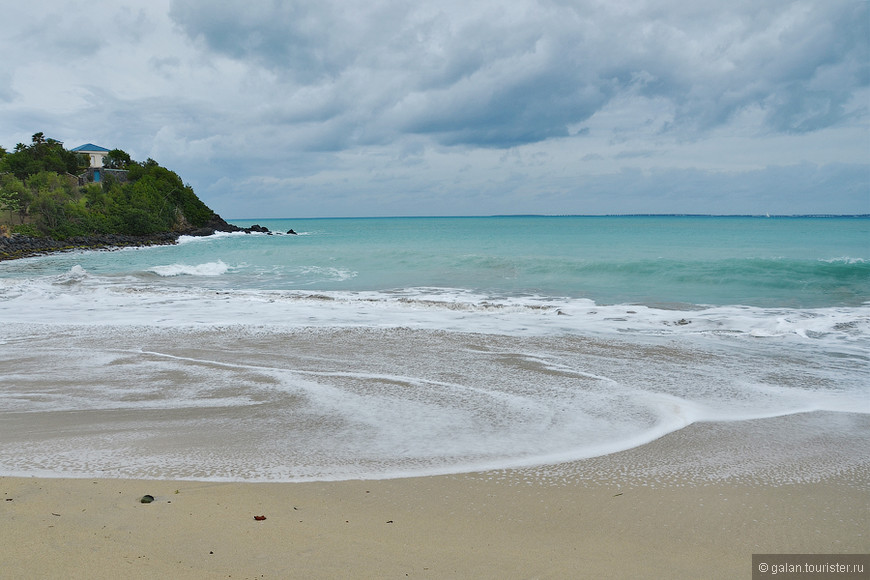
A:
(9, 201)
(14, 196)
(41, 155)
(117, 159)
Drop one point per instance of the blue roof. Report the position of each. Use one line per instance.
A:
(90, 147)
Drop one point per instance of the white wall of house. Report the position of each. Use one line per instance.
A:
(96, 158)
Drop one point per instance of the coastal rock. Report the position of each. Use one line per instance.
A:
(20, 246)
(218, 224)
(201, 232)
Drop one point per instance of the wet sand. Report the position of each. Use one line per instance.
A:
(537, 523)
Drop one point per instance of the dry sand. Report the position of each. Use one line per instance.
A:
(487, 525)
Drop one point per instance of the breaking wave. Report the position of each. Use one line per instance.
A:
(208, 269)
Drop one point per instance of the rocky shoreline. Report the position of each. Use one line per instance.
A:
(20, 246)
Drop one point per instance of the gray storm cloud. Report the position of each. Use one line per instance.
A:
(484, 74)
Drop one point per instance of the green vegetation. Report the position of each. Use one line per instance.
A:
(40, 193)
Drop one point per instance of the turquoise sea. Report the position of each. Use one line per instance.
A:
(385, 347)
(799, 262)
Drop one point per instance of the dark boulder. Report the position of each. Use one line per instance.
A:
(218, 224)
(200, 232)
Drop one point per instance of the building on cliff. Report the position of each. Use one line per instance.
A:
(94, 152)
(96, 171)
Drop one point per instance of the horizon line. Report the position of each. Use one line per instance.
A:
(536, 215)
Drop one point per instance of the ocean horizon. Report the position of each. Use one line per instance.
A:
(579, 215)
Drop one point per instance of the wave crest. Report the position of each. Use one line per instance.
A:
(844, 260)
(207, 269)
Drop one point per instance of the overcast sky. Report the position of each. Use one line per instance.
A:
(317, 108)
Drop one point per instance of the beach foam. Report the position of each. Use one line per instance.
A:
(267, 403)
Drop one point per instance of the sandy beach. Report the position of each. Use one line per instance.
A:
(506, 524)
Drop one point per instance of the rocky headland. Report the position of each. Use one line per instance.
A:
(22, 246)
